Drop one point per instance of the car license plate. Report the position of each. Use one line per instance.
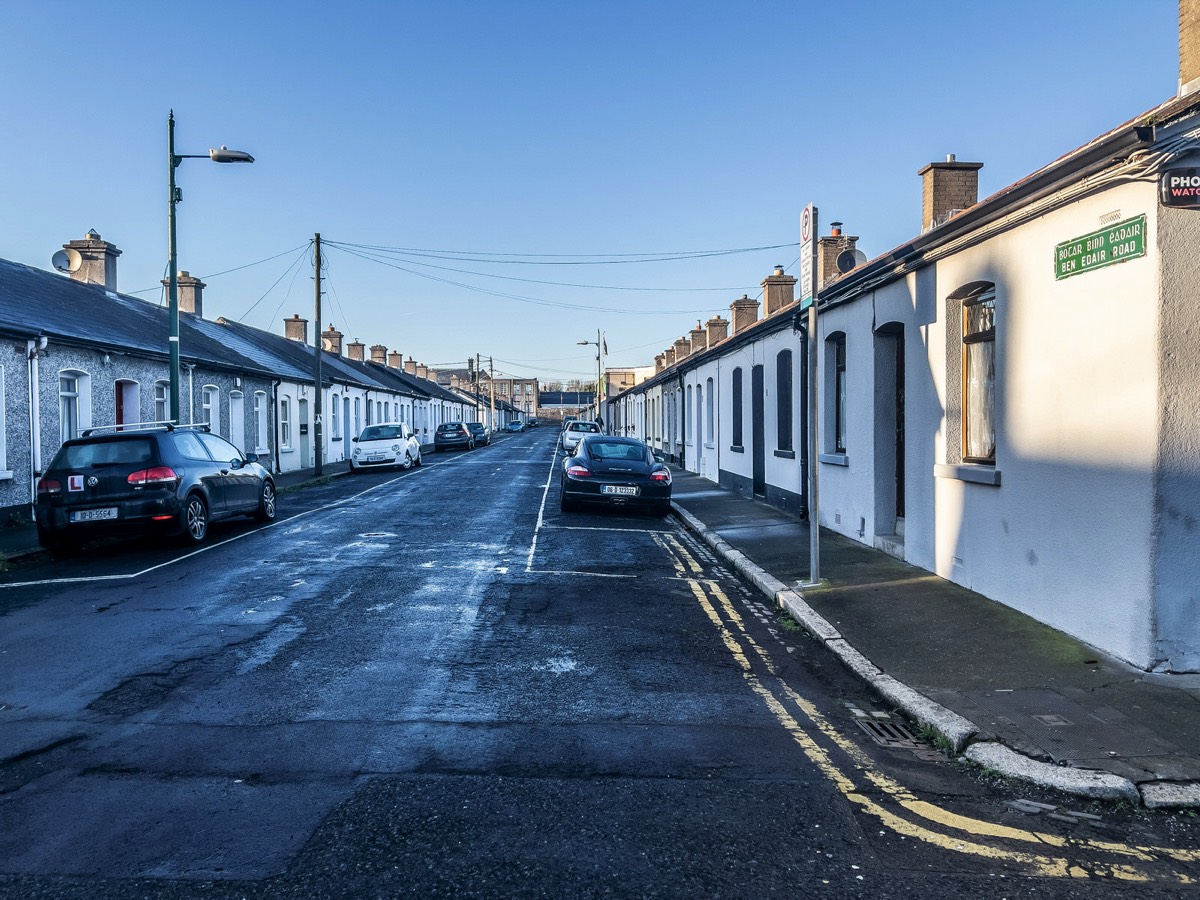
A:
(94, 515)
(623, 490)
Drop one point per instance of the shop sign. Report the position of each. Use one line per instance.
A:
(1180, 187)
(1116, 243)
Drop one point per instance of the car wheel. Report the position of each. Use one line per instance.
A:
(266, 503)
(563, 503)
(663, 509)
(194, 524)
(408, 460)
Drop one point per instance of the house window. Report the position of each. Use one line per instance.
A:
(261, 424)
(839, 393)
(783, 398)
(162, 401)
(979, 375)
(285, 422)
(736, 391)
(74, 403)
(335, 423)
(210, 410)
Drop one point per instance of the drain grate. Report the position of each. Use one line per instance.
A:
(891, 734)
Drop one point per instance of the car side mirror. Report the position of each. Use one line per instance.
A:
(354, 439)
(658, 457)
(252, 457)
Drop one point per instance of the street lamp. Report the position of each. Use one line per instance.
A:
(174, 195)
(597, 343)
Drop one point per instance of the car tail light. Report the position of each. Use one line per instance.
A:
(156, 475)
(578, 471)
(49, 486)
(662, 475)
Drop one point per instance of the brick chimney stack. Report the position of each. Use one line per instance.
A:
(947, 187)
(296, 329)
(356, 350)
(668, 357)
(659, 363)
(698, 338)
(744, 313)
(410, 366)
(422, 370)
(191, 292)
(779, 290)
(682, 348)
(1189, 46)
(331, 340)
(99, 261)
(718, 330)
(829, 248)
(395, 360)
(379, 354)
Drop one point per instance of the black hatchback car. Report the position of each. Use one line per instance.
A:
(453, 434)
(615, 471)
(173, 480)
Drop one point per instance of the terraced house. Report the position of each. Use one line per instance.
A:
(1011, 399)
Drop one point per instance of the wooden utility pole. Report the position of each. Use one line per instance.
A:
(492, 387)
(317, 356)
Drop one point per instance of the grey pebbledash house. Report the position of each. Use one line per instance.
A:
(75, 354)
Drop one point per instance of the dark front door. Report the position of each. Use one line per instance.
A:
(758, 431)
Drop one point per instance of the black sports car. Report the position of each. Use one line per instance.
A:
(615, 471)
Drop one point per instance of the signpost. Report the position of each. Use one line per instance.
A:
(808, 299)
(1117, 243)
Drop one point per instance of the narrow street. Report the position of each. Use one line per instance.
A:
(433, 683)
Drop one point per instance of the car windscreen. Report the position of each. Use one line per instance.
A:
(583, 426)
(601, 449)
(108, 453)
(380, 433)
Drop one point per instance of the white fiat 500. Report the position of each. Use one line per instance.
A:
(383, 445)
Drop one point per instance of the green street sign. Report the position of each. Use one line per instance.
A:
(1116, 243)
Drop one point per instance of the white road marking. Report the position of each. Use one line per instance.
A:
(541, 511)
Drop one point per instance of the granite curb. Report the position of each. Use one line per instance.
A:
(959, 733)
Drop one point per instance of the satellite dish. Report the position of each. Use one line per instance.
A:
(67, 260)
(860, 257)
(846, 261)
(327, 344)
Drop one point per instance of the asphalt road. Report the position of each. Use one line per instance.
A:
(434, 683)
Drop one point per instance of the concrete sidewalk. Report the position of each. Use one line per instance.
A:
(1004, 690)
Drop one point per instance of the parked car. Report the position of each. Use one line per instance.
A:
(453, 434)
(515, 425)
(154, 478)
(575, 431)
(384, 445)
(533, 423)
(480, 433)
(567, 420)
(615, 471)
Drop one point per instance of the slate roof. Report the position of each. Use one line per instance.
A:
(33, 302)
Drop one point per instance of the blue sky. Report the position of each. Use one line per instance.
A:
(513, 133)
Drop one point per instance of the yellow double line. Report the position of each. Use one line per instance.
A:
(899, 809)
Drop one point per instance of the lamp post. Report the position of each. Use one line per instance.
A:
(597, 343)
(174, 195)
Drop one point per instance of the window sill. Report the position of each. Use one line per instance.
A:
(708, 446)
(834, 459)
(975, 474)
(737, 448)
(287, 449)
(786, 454)
(5, 475)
